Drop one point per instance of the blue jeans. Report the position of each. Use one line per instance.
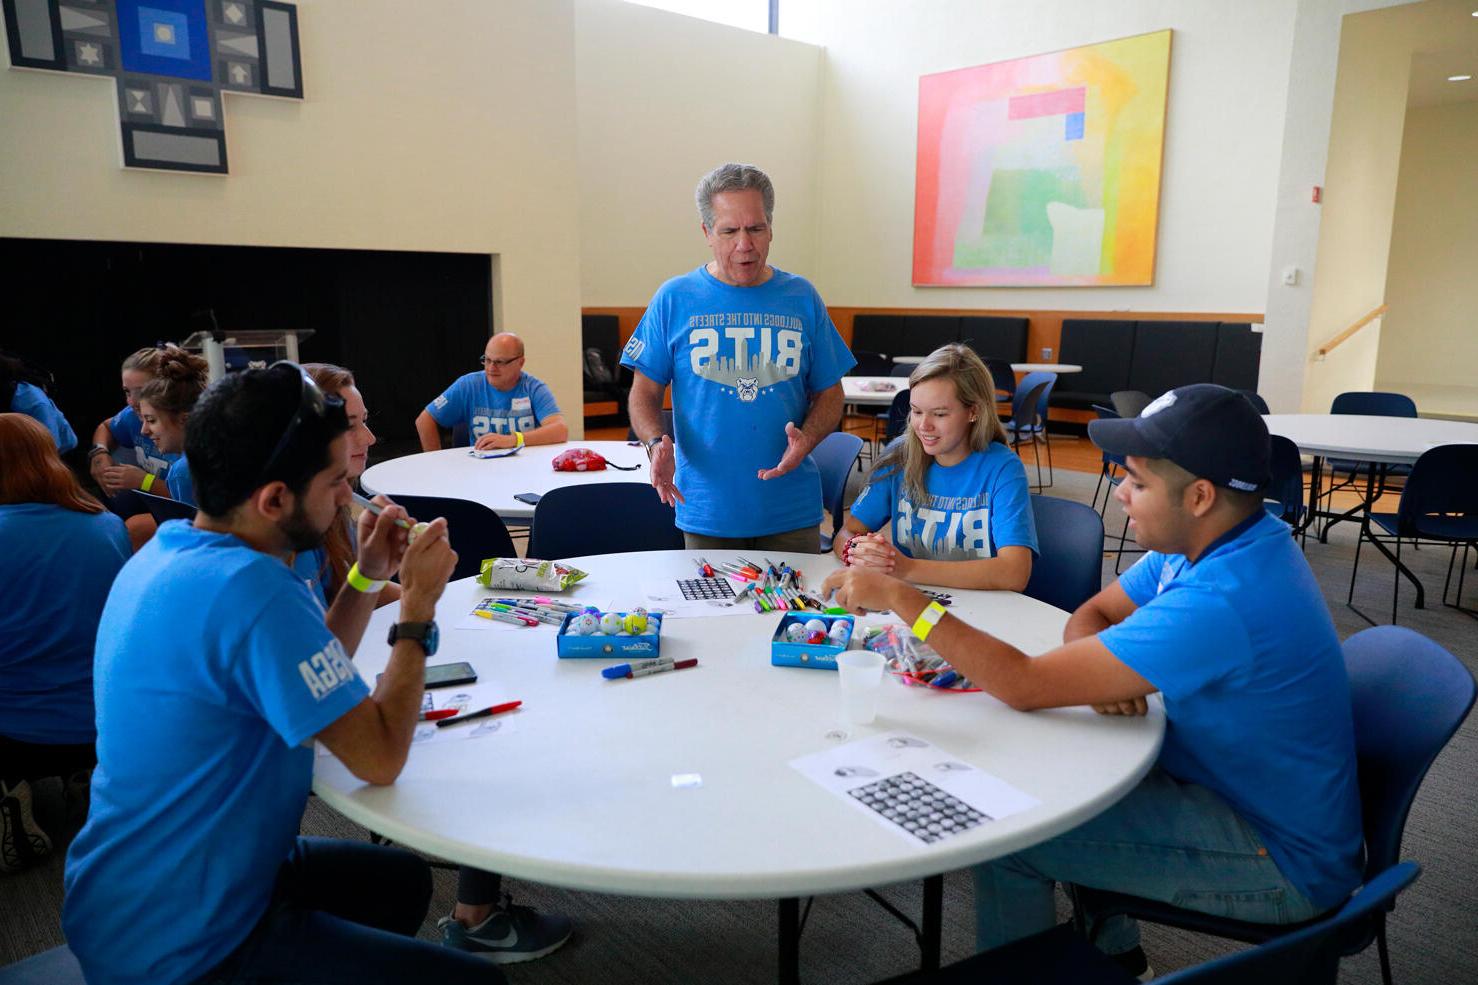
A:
(346, 913)
(1166, 840)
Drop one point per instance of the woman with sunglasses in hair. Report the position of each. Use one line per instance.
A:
(62, 550)
(164, 405)
(326, 568)
(948, 502)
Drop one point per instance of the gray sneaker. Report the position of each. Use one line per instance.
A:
(511, 934)
(21, 841)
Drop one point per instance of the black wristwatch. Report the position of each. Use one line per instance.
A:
(649, 445)
(424, 633)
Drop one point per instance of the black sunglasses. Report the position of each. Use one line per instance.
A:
(311, 401)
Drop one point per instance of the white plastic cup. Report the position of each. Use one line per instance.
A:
(861, 675)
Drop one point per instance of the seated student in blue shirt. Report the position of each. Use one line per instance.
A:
(190, 867)
(61, 550)
(1253, 809)
(21, 394)
(502, 406)
(164, 405)
(947, 503)
(139, 463)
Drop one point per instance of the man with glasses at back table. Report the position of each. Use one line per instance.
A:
(502, 406)
(216, 671)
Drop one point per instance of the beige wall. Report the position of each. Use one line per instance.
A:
(1359, 201)
(1228, 79)
(426, 127)
(664, 98)
(1430, 336)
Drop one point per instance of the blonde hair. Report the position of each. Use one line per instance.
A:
(974, 388)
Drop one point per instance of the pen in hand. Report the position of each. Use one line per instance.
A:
(377, 509)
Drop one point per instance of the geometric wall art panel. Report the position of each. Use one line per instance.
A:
(170, 62)
(1043, 171)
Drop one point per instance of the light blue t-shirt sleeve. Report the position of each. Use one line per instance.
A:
(295, 672)
(1142, 580)
(181, 484)
(648, 350)
(32, 401)
(873, 507)
(542, 400)
(1165, 640)
(124, 426)
(1012, 523)
(451, 406)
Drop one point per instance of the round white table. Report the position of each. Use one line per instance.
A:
(1018, 367)
(678, 785)
(872, 391)
(1385, 440)
(495, 481)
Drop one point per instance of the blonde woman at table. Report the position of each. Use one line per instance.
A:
(948, 504)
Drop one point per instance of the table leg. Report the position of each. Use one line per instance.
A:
(932, 923)
(789, 971)
(1316, 479)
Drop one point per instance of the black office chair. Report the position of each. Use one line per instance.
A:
(1003, 376)
(602, 518)
(475, 532)
(163, 508)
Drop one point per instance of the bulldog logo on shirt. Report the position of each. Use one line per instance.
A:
(748, 388)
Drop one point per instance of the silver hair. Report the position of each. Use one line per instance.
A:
(734, 178)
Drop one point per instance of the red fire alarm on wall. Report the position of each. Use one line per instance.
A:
(1318, 194)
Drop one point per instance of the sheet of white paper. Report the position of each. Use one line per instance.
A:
(667, 598)
(464, 698)
(912, 787)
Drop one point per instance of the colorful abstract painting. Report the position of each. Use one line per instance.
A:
(1043, 171)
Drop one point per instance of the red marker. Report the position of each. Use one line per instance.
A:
(484, 713)
(661, 667)
(432, 716)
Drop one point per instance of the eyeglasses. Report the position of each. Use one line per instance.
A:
(497, 363)
(311, 400)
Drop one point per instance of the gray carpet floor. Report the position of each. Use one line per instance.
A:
(1433, 932)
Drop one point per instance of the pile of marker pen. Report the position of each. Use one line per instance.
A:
(913, 661)
(530, 612)
(771, 587)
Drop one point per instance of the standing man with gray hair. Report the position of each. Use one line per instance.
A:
(755, 365)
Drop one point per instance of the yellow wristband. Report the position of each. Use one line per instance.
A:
(518, 439)
(148, 482)
(359, 582)
(927, 620)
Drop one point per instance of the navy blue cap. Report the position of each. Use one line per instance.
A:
(1210, 431)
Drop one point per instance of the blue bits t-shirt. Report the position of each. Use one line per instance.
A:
(1257, 701)
(59, 566)
(742, 361)
(974, 508)
(214, 672)
(181, 485)
(127, 431)
(32, 401)
(485, 409)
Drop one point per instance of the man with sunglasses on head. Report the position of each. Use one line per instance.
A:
(215, 672)
(502, 406)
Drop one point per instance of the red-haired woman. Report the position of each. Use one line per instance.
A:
(61, 550)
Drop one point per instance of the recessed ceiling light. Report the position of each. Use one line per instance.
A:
(1458, 78)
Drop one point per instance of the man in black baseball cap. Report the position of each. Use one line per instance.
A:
(1252, 810)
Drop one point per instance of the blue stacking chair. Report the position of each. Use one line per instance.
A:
(1371, 404)
(474, 531)
(1069, 569)
(1029, 418)
(1284, 496)
(835, 457)
(1113, 472)
(1408, 696)
(602, 518)
(1439, 503)
(1307, 956)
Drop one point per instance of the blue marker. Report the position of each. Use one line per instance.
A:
(627, 670)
